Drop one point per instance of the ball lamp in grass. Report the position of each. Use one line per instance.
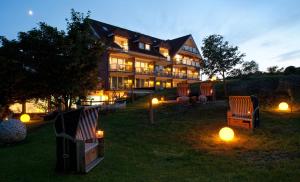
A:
(226, 134)
(25, 118)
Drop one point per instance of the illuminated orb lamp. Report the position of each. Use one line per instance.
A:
(213, 78)
(283, 106)
(25, 118)
(155, 101)
(100, 134)
(226, 134)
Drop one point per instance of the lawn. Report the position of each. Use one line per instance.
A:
(182, 145)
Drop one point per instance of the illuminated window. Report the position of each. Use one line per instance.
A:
(122, 42)
(164, 52)
(147, 47)
(143, 67)
(120, 82)
(117, 64)
(143, 83)
(151, 83)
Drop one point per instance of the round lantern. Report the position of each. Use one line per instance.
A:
(226, 134)
(25, 118)
(155, 101)
(283, 106)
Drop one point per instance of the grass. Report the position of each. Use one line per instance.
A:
(182, 145)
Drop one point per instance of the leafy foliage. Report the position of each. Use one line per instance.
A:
(47, 62)
(219, 56)
(274, 70)
(249, 67)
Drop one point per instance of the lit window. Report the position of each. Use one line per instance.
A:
(147, 47)
(122, 42)
(141, 45)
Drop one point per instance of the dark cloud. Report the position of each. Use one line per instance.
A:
(288, 55)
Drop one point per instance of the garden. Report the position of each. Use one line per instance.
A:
(182, 145)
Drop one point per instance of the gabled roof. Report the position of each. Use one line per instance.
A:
(106, 30)
(177, 43)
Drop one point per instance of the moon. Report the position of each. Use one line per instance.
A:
(30, 13)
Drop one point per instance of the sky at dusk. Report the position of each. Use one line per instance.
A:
(267, 31)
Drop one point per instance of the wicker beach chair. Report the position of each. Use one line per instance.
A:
(77, 146)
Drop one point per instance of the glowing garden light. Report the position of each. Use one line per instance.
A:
(155, 101)
(25, 118)
(283, 106)
(100, 134)
(213, 78)
(226, 134)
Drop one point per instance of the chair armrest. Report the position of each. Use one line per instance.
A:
(65, 136)
(229, 113)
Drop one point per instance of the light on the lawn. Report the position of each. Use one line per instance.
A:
(155, 101)
(100, 134)
(226, 134)
(213, 78)
(283, 106)
(25, 118)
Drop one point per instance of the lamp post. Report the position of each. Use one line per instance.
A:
(151, 118)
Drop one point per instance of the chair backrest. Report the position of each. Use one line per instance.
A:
(87, 124)
(78, 124)
(241, 106)
(206, 89)
(183, 89)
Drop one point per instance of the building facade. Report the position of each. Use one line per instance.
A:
(135, 61)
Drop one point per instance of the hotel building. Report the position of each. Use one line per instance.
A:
(135, 61)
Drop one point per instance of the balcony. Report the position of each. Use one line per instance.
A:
(193, 77)
(122, 86)
(163, 74)
(187, 63)
(144, 71)
(121, 67)
(180, 75)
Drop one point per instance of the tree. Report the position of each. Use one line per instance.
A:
(219, 57)
(54, 63)
(249, 67)
(290, 70)
(235, 73)
(14, 81)
(66, 64)
(274, 70)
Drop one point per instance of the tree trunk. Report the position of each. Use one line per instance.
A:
(66, 102)
(224, 84)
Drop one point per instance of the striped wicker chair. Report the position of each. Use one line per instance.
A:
(243, 112)
(207, 90)
(183, 91)
(77, 147)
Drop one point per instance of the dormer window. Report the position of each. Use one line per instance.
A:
(122, 42)
(141, 45)
(144, 46)
(164, 52)
(147, 47)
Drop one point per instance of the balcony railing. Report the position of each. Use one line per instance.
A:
(163, 74)
(123, 86)
(180, 75)
(121, 67)
(192, 76)
(182, 62)
(144, 71)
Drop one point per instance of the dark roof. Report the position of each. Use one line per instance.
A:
(107, 30)
(177, 43)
